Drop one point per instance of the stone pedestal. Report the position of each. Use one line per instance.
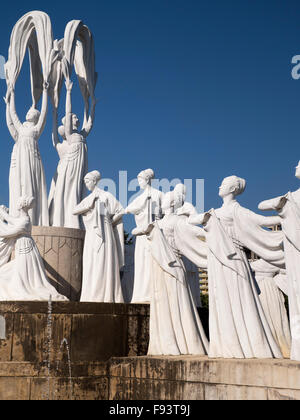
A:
(61, 250)
(62, 351)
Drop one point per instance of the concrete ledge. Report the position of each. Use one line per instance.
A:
(190, 377)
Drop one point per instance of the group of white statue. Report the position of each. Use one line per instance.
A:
(247, 316)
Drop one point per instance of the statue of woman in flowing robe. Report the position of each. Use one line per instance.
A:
(175, 326)
(185, 209)
(288, 208)
(26, 174)
(67, 187)
(272, 301)
(237, 323)
(23, 278)
(146, 208)
(103, 252)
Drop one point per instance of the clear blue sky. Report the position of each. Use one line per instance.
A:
(191, 88)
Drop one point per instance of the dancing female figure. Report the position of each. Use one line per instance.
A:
(67, 187)
(237, 323)
(175, 327)
(288, 208)
(146, 208)
(26, 175)
(24, 277)
(103, 253)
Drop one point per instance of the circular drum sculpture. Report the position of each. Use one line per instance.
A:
(61, 250)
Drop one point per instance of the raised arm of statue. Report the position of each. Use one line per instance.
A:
(265, 221)
(68, 122)
(42, 120)
(199, 219)
(9, 122)
(86, 205)
(88, 121)
(55, 139)
(13, 113)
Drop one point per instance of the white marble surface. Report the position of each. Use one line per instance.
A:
(23, 278)
(238, 325)
(288, 208)
(145, 208)
(103, 253)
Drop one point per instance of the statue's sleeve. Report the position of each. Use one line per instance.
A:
(189, 241)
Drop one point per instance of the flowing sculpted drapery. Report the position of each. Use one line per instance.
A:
(24, 278)
(288, 208)
(103, 254)
(238, 325)
(272, 301)
(175, 326)
(67, 189)
(26, 177)
(143, 208)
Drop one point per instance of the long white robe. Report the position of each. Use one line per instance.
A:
(27, 177)
(175, 327)
(67, 185)
(290, 215)
(24, 278)
(145, 212)
(103, 253)
(272, 301)
(192, 271)
(237, 323)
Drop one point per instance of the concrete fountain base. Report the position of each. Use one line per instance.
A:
(86, 351)
(60, 350)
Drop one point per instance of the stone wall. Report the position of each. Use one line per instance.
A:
(200, 378)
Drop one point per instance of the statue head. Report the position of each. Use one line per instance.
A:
(145, 177)
(232, 185)
(33, 116)
(61, 131)
(75, 122)
(297, 174)
(91, 180)
(180, 194)
(25, 203)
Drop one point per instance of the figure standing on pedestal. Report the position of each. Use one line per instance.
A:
(67, 187)
(23, 278)
(237, 323)
(103, 253)
(175, 326)
(185, 210)
(146, 208)
(26, 175)
(288, 208)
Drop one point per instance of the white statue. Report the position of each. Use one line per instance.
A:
(237, 324)
(288, 208)
(33, 32)
(26, 175)
(103, 253)
(175, 327)
(67, 186)
(185, 209)
(272, 301)
(146, 208)
(24, 278)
